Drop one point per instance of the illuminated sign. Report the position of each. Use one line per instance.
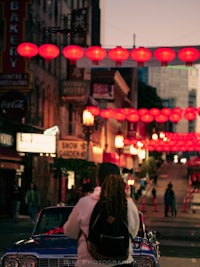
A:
(35, 143)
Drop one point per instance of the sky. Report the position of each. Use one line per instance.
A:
(153, 22)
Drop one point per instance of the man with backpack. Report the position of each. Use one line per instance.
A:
(104, 222)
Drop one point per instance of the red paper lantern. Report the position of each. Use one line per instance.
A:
(119, 116)
(166, 111)
(175, 117)
(146, 118)
(118, 54)
(190, 115)
(177, 110)
(123, 110)
(95, 53)
(27, 50)
(49, 51)
(133, 117)
(143, 111)
(154, 111)
(94, 110)
(188, 55)
(73, 52)
(141, 55)
(161, 118)
(164, 55)
(106, 113)
(190, 109)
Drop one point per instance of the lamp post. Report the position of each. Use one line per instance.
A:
(119, 144)
(88, 128)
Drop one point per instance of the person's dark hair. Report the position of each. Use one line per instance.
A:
(105, 169)
(113, 193)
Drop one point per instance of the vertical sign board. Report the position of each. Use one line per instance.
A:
(14, 72)
(72, 149)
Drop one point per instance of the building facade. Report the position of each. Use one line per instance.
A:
(51, 92)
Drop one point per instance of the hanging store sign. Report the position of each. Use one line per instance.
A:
(75, 90)
(72, 149)
(14, 73)
(6, 140)
(79, 22)
(103, 91)
(35, 143)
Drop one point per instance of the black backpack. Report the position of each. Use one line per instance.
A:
(108, 237)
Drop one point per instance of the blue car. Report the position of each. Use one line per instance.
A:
(49, 247)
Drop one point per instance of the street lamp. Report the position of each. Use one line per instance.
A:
(119, 143)
(88, 128)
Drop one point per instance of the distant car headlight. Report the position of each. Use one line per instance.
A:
(29, 262)
(10, 261)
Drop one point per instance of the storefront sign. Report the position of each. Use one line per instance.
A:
(13, 105)
(35, 143)
(72, 149)
(6, 140)
(75, 90)
(14, 72)
(103, 91)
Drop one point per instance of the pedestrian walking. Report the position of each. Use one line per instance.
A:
(167, 201)
(173, 202)
(16, 200)
(153, 193)
(32, 199)
(112, 189)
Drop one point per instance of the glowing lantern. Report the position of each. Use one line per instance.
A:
(166, 111)
(106, 113)
(190, 109)
(177, 110)
(190, 115)
(118, 54)
(143, 111)
(123, 110)
(146, 118)
(73, 52)
(161, 118)
(95, 53)
(164, 55)
(49, 51)
(175, 117)
(27, 50)
(141, 55)
(133, 117)
(154, 111)
(188, 55)
(119, 116)
(94, 110)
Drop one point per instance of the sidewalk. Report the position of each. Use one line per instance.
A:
(186, 225)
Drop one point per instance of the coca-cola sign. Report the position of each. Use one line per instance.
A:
(13, 105)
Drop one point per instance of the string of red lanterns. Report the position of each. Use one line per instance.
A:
(173, 142)
(118, 54)
(146, 115)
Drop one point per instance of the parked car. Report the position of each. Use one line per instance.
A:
(49, 247)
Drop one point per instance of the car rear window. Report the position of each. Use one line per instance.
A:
(51, 218)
